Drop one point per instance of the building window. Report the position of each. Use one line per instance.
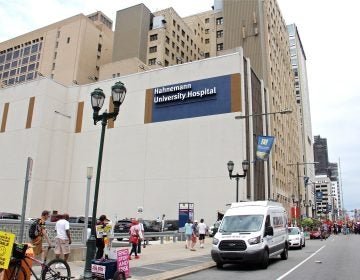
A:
(167, 40)
(99, 47)
(183, 33)
(207, 55)
(174, 22)
(152, 49)
(153, 37)
(206, 31)
(68, 40)
(56, 44)
(219, 34)
(207, 41)
(22, 78)
(166, 63)
(167, 51)
(152, 61)
(173, 34)
(219, 47)
(53, 66)
(182, 43)
(27, 51)
(173, 45)
(219, 21)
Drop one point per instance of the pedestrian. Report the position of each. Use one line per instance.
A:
(63, 238)
(202, 232)
(100, 243)
(41, 233)
(188, 234)
(194, 236)
(163, 222)
(141, 236)
(134, 238)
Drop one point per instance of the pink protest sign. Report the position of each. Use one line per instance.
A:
(123, 261)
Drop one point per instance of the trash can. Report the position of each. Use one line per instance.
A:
(104, 269)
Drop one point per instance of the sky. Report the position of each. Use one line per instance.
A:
(329, 31)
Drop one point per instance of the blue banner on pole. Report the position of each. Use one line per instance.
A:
(318, 196)
(264, 145)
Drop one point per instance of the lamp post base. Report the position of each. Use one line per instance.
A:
(90, 254)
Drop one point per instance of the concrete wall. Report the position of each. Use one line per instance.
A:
(155, 165)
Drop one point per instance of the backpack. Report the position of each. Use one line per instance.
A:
(34, 229)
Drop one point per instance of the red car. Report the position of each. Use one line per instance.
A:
(316, 234)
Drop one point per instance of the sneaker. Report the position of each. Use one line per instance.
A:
(186, 246)
(130, 258)
(137, 257)
(192, 249)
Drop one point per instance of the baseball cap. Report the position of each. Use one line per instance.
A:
(103, 218)
(195, 221)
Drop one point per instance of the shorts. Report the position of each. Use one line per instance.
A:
(37, 243)
(202, 236)
(61, 246)
(188, 237)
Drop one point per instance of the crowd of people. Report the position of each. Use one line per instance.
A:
(195, 232)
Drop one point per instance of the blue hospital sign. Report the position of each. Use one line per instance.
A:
(211, 96)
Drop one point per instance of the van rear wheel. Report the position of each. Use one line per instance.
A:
(285, 254)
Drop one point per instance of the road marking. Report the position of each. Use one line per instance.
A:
(295, 267)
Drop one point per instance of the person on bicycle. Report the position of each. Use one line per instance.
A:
(38, 240)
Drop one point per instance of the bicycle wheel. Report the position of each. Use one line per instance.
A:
(56, 269)
(15, 272)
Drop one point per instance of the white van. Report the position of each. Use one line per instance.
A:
(251, 231)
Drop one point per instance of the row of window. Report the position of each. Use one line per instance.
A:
(22, 78)
(20, 62)
(19, 53)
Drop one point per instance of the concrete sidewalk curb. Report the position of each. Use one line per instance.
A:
(177, 272)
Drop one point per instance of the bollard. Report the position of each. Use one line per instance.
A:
(161, 239)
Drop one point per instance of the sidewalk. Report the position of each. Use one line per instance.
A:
(162, 261)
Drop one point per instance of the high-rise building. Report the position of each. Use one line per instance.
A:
(256, 26)
(69, 51)
(306, 164)
(321, 155)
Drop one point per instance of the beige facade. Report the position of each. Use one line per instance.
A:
(69, 51)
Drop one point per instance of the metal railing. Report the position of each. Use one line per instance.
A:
(78, 232)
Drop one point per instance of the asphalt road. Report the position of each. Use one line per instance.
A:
(336, 258)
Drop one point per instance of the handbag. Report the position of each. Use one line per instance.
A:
(193, 238)
(133, 239)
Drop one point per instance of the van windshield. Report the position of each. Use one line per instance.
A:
(241, 223)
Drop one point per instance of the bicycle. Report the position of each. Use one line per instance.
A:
(56, 269)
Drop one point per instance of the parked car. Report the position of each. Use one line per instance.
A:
(80, 220)
(11, 216)
(122, 226)
(172, 225)
(296, 237)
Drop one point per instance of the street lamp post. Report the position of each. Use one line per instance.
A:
(298, 183)
(118, 92)
(281, 112)
(230, 166)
